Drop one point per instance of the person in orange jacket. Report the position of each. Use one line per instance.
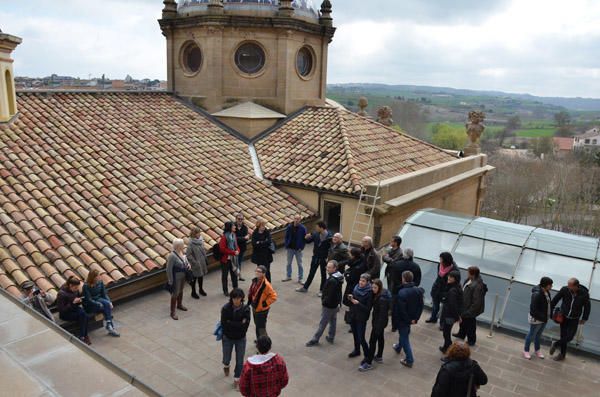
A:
(261, 296)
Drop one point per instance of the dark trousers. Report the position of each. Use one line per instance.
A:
(260, 322)
(228, 268)
(316, 263)
(468, 328)
(435, 308)
(376, 341)
(447, 324)
(79, 315)
(240, 257)
(568, 330)
(359, 329)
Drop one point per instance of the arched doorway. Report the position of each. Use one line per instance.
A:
(10, 94)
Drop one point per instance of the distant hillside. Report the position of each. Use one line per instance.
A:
(573, 104)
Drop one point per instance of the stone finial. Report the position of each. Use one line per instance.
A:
(475, 128)
(384, 116)
(170, 9)
(363, 103)
(215, 7)
(326, 9)
(285, 8)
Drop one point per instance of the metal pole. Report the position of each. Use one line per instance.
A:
(491, 334)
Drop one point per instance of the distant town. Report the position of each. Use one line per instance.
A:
(56, 82)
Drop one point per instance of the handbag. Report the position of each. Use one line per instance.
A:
(218, 332)
(558, 317)
(272, 247)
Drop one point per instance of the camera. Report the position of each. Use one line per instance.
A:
(36, 291)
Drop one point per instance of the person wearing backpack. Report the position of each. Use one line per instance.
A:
(459, 376)
(235, 319)
(228, 251)
(474, 290)
(408, 308)
(330, 302)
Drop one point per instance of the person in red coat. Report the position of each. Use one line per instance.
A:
(229, 251)
(264, 374)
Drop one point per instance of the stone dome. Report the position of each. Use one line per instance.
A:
(305, 8)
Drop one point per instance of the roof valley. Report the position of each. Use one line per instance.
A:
(354, 175)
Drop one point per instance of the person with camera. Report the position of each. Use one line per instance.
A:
(177, 266)
(361, 301)
(96, 300)
(575, 310)
(69, 307)
(36, 299)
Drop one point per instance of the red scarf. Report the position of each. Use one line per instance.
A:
(444, 270)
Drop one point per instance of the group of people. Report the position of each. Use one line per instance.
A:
(74, 303)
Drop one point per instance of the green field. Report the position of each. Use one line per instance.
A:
(535, 132)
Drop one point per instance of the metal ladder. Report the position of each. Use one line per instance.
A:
(363, 217)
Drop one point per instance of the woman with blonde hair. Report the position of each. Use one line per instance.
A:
(177, 265)
(95, 300)
(196, 256)
(262, 246)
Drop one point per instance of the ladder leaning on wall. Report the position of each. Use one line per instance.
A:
(363, 217)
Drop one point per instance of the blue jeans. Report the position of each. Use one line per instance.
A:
(435, 309)
(79, 315)
(359, 329)
(104, 309)
(291, 253)
(240, 350)
(535, 333)
(404, 343)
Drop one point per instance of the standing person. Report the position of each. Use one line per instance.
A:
(36, 299)
(261, 296)
(438, 289)
(399, 266)
(261, 246)
(177, 265)
(371, 257)
(196, 256)
(235, 319)
(229, 253)
(330, 302)
(540, 311)
(457, 373)
(453, 303)
(381, 306)
(242, 236)
(356, 267)
(576, 309)
(338, 251)
(95, 300)
(474, 290)
(361, 301)
(68, 303)
(264, 374)
(321, 238)
(394, 253)
(295, 233)
(407, 311)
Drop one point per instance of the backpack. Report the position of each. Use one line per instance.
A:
(216, 249)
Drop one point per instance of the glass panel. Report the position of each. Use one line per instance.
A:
(441, 220)
(563, 244)
(536, 264)
(495, 286)
(591, 330)
(426, 243)
(595, 287)
(491, 257)
(517, 307)
(503, 232)
(428, 275)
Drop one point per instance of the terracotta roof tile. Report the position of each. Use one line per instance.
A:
(337, 150)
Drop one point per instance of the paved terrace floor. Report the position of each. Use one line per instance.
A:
(182, 358)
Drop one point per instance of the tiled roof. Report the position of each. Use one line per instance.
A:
(563, 143)
(337, 150)
(107, 180)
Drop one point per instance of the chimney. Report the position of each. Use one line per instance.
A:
(8, 98)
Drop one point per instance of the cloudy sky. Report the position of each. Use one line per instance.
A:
(543, 47)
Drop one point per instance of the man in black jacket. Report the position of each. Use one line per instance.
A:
(321, 238)
(338, 251)
(330, 301)
(474, 290)
(576, 309)
(372, 259)
(398, 267)
(242, 237)
(452, 308)
(408, 307)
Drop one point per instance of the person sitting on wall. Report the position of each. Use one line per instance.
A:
(97, 301)
(36, 299)
(69, 307)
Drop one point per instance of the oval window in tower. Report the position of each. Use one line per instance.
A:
(191, 57)
(250, 58)
(305, 61)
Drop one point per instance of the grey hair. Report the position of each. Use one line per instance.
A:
(366, 276)
(369, 239)
(409, 253)
(339, 235)
(177, 242)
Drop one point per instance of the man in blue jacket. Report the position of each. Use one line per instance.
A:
(407, 311)
(295, 233)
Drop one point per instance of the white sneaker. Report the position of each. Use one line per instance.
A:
(320, 294)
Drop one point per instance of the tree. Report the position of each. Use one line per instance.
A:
(411, 117)
(513, 123)
(542, 146)
(448, 137)
(562, 119)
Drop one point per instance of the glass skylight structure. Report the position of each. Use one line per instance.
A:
(512, 259)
